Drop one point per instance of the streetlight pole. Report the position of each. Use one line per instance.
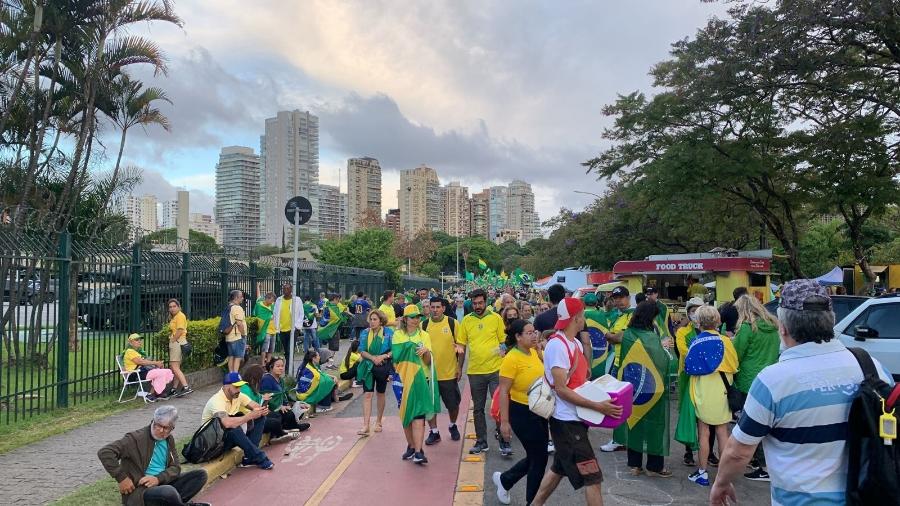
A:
(588, 193)
(457, 256)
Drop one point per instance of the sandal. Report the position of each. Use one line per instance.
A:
(636, 471)
(378, 427)
(363, 432)
(665, 473)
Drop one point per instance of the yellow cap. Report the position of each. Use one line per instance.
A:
(411, 310)
(135, 337)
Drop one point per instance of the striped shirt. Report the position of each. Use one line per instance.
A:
(798, 407)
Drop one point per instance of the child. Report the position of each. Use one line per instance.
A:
(348, 367)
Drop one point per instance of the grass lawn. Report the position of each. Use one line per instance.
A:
(48, 424)
(104, 492)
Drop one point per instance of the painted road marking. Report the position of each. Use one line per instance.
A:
(470, 478)
(336, 473)
(306, 449)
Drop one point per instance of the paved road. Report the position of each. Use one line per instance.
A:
(49, 469)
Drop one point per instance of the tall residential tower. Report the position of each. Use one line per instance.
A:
(363, 190)
(238, 198)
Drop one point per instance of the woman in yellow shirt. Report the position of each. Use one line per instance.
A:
(177, 339)
(520, 368)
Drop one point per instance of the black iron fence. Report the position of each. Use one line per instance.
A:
(68, 308)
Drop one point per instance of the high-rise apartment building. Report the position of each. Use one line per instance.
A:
(205, 224)
(497, 210)
(520, 213)
(289, 166)
(458, 212)
(168, 213)
(238, 198)
(148, 210)
(140, 213)
(392, 221)
(419, 197)
(363, 189)
(332, 211)
(480, 211)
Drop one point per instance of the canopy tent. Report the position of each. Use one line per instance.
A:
(833, 278)
(608, 287)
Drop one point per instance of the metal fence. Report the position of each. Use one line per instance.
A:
(68, 308)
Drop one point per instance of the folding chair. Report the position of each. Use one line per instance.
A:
(126, 375)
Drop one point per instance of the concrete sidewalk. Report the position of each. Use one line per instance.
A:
(47, 470)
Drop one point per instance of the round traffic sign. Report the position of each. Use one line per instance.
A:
(300, 204)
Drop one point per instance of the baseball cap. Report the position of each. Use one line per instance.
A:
(619, 291)
(649, 290)
(796, 294)
(590, 299)
(233, 379)
(694, 302)
(135, 337)
(566, 310)
(411, 310)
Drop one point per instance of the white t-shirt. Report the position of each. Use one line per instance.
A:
(556, 354)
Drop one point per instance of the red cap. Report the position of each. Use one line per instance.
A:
(567, 308)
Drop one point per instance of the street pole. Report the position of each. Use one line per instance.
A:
(457, 256)
(294, 283)
(442, 283)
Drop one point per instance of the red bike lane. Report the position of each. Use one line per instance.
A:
(331, 465)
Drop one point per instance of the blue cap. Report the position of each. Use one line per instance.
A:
(233, 378)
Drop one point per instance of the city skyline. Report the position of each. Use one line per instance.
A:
(478, 99)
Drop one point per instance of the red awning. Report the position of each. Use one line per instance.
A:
(692, 265)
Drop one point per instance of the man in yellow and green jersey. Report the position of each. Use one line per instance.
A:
(619, 318)
(447, 366)
(483, 333)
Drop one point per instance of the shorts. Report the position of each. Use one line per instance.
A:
(450, 394)
(379, 382)
(574, 457)
(174, 351)
(237, 348)
(269, 344)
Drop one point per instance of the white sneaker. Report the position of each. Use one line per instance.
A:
(550, 447)
(502, 493)
(610, 447)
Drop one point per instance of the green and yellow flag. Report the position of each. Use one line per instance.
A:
(335, 318)
(420, 396)
(482, 264)
(597, 327)
(645, 365)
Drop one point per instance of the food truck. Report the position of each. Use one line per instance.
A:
(671, 274)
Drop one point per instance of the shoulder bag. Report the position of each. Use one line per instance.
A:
(541, 399)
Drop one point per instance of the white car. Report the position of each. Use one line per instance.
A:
(875, 327)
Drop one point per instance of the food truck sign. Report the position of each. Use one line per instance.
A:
(689, 266)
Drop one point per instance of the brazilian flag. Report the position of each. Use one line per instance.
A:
(597, 327)
(662, 319)
(482, 264)
(686, 428)
(645, 365)
(313, 385)
(420, 396)
(335, 318)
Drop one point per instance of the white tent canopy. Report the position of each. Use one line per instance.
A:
(834, 277)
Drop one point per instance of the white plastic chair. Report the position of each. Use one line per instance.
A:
(139, 392)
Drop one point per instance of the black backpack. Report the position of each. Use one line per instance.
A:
(450, 321)
(873, 474)
(207, 443)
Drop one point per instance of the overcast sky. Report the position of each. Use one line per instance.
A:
(484, 91)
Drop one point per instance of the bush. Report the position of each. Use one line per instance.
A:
(204, 337)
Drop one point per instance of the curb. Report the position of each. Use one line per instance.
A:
(224, 465)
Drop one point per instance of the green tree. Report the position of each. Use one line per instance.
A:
(370, 248)
(199, 242)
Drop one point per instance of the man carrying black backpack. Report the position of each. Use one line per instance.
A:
(799, 408)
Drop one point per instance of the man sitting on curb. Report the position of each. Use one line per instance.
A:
(226, 404)
(145, 463)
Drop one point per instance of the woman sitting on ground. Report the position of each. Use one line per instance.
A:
(285, 412)
(315, 387)
(252, 377)
(134, 358)
(349, 367)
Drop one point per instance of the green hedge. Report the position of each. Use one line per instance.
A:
(204, 337)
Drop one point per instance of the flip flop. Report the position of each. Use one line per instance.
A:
(363, 432)
(378, 427)
(665, 473)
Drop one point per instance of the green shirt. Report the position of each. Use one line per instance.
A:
(755, 351)
(158, 459)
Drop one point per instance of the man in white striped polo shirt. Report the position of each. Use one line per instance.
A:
(798, 408)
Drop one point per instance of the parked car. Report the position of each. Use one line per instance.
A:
(110, 306)
(843, 305)
(875, 327)
(31, 293)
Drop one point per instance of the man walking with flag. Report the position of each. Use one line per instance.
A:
(597, 327)
(619, 319)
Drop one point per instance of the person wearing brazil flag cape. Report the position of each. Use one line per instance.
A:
(597, 326)
(332, 318)
(411, 350)
(618, 319)
(645, 364)
(686, 428)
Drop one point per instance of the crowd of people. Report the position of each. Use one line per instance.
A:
(736, 365)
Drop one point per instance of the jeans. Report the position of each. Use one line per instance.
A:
(285, 338)
(655, 463)
(481, 386)
(532, 433)
(310, 338)
(248, 442)
(178, 492)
